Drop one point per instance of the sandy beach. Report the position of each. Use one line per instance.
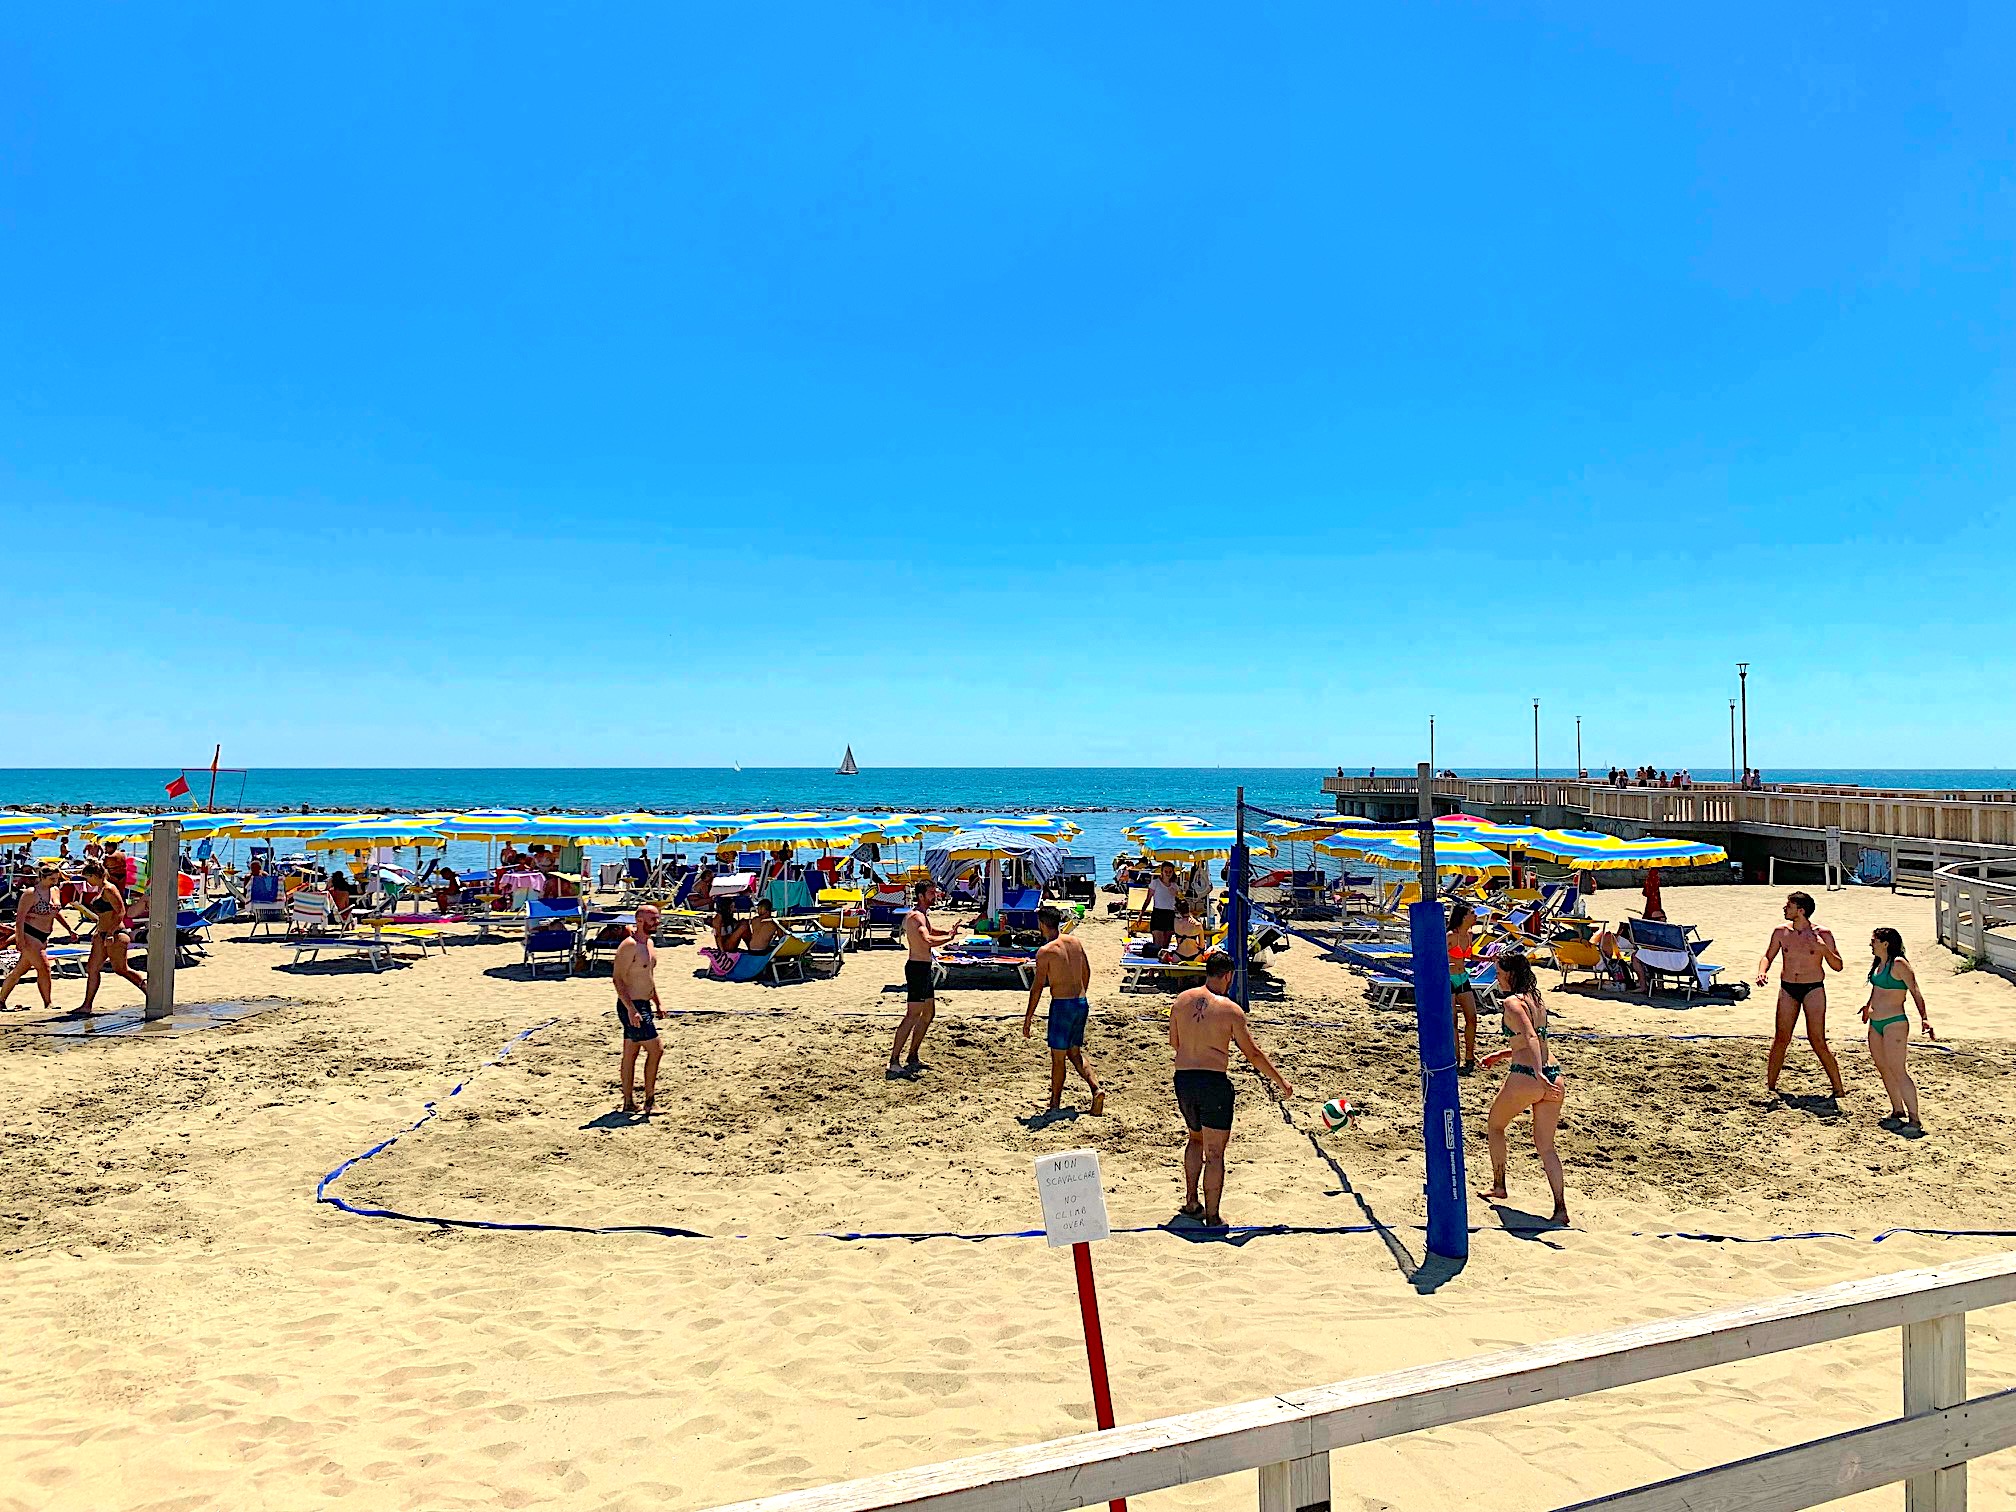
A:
(188, 1327)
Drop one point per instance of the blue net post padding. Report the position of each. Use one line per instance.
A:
(1441, 1110)
(1238, 922)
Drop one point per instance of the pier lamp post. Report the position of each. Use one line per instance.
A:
(1732, 742)
(1743, 694)
(1536, 740)
(1578, 745)
(1431, 745)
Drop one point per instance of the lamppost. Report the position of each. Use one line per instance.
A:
(1536, 740)
(1431, 745)
(1578, 746)
(1743, 692)
(1732, 742)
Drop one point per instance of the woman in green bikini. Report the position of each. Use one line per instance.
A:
(1891, 979)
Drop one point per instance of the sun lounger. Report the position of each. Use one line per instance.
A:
(793, 954)
(999, 962)
(1669, 953)
(735, 965)
(374, 946)
(550, 944)
(265, 904)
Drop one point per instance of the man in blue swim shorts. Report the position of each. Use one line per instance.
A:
(1062, 968)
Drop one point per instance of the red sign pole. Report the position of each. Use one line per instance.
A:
(1095, 1345)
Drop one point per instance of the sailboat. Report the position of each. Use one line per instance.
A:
(738, 763)
(847, 767)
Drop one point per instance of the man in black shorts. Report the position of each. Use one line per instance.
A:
(920, 939)
(1203, 1025)
(635, 970)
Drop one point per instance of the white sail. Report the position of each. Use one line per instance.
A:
(847, 767)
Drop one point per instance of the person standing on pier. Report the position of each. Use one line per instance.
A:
(1802, 988)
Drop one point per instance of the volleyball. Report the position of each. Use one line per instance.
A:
(1337, 1113)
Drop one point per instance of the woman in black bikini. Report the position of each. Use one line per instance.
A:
(110, 938)
(1534, 1082)
(38, 915)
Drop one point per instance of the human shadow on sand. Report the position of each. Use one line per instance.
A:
(1520, 1224)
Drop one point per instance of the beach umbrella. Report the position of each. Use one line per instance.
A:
(379, 834)
(1299, 829)
(1196, 844)
(15, 828)
(1032, 824)
(660, 826)
(919, 824)
(293, 826)
(137, 826)
(1485, 831)
(1400, 849)
(993, 845)
(1590, 850)
(825, 833)
(556, 828)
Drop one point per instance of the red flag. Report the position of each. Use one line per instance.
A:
(178, 789)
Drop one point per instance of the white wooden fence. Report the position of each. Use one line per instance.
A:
(1288, 1438)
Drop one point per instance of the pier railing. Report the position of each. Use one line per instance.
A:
(1971, 900)
(1288, 1439)
(1985, 817)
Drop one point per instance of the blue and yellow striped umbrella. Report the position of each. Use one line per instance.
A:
(1195, 844)
(777, 834)
(554, 828)
(1484, 831)
(194, 826)
(1047, 825)
(374, 834)
(15, 828)
(294, 826)
(1589, 850)
(1400, 850)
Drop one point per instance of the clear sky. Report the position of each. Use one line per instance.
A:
(488, 384)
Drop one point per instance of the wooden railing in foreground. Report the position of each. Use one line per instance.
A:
(1288, 1438)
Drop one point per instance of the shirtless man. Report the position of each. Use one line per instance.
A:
(636, 974)
(1802, 986)
(1061, 966)
(921, 938)
(764, 930)
(1203, 1025)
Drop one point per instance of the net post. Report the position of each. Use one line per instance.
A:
(1236, 908)
(1435, 1034)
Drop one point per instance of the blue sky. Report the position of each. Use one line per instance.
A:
(1108, 385)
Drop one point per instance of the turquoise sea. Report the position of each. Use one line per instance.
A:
(1104, 800)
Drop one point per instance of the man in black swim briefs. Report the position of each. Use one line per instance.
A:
(1203, 1025)
(1802, 988)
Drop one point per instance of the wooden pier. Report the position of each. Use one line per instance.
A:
(1918, 830)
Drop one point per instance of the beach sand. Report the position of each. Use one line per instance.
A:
(187, 1327)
